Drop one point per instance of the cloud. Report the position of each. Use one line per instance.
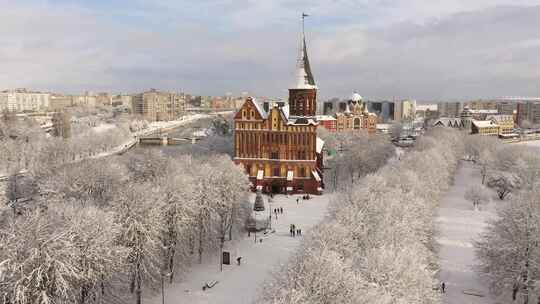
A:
(382, 48)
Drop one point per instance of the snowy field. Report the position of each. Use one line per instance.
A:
(459, 224)
(242, 284)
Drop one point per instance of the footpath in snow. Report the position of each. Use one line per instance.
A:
(242, 284)
(458, 226)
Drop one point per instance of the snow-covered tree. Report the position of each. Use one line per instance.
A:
(378, 245)
(137, 213)
(37, 264)
(503, 183)
(509, 250)
(99, 258)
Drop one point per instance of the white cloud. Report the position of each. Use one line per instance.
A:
(432, 52)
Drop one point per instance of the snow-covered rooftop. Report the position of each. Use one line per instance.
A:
(324, 117)
(484, 123)
(261, 111)
(319, 145)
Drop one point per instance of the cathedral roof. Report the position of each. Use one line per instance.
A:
(304, 76)
(261, 111)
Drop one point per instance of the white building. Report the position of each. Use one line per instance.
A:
(22, 100)
(88, 99)
(408, 108)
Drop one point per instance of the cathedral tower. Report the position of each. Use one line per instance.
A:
(303, 97)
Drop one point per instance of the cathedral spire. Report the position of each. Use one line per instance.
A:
(304, 75)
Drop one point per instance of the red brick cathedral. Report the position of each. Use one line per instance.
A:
(279, 148)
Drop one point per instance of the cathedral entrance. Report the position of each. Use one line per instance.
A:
(278, 186)
(357, 123)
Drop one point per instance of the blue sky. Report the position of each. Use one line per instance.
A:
(424, 49)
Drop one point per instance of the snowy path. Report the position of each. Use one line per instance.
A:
(241, 284)
(458, 226)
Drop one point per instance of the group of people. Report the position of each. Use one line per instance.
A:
(304, 197)
(278, 210)
(294, 231)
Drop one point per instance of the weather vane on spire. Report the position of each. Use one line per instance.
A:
(304, 15)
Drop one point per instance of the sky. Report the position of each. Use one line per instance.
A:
(422, 49)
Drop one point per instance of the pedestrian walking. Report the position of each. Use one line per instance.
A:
(300, 231)
(281, 210)
(297, 199)
(443, 287)
(290, 229)
(238, 256)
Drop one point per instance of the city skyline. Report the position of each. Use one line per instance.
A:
(381, 49)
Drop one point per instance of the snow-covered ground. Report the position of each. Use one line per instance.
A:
(532, 143)
(459, 224)
(103, 128)
(242, 284)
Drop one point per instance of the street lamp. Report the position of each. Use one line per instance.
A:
(163, 275)
(270, 212)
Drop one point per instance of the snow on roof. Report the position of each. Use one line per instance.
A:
(259, 108)
(356, 97)
(320, 145)
(316, 176)
(285, 110)
(325, 117)
(500, 117)
(484, 123)
(484, 111)
(301, 121)
(448, 121)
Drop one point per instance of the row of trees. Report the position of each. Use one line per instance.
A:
(107, 230)
(355, 154)
(24, 145)
(378, 245)
(504, 168)
(508, 250)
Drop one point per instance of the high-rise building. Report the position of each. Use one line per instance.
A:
(528, 111)
(155, 105)
(506, 107)
(408, 109)
(280, 151)
(23, 100)
(385, 110)
(449, 109)
(328, 108)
